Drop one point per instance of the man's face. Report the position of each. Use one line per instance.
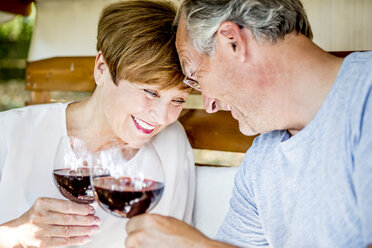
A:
(222, 83)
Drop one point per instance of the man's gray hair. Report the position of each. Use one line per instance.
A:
(267, 19)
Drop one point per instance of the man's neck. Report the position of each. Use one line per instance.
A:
(309, 74)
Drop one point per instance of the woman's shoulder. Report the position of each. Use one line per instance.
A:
(30, 116)
(173, 130)
(172, 134)
(34, 110)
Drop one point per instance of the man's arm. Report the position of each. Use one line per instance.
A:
(362, 170)
(242, 225)
(150, 230)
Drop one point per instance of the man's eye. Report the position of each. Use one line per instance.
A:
(150, 93)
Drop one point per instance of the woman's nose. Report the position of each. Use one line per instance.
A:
(160, 113)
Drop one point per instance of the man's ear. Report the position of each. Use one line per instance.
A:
(234, 38)
(99, 69)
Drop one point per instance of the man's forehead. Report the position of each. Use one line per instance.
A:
(181, 35)
(186, 51)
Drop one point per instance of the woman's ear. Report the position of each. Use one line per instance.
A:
(99, 69)
(233, 38)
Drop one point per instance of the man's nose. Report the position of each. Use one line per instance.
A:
(210, 104)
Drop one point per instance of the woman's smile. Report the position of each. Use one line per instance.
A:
(143, 126)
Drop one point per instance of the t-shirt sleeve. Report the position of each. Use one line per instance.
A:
(363, 167)
(242, 226)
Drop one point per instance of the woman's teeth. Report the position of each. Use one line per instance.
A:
(143, 124)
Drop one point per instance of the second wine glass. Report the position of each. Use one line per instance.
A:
(127, 185)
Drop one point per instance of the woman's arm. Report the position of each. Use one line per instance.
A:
(50, 223)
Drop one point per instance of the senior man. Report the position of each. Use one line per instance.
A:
(307, 179)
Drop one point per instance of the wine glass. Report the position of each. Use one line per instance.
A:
(125, 183)
(71, 170)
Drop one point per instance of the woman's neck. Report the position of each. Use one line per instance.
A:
(87, 119)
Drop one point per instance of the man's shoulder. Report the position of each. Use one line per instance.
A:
(358, 65)
(357, 83)
(360, 57)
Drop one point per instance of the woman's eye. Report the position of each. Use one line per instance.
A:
(178, 102)
(150, 93)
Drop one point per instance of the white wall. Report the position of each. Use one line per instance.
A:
(65, 28)
(341, 24)
(68, 27)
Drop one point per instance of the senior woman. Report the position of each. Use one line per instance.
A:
(138, 97)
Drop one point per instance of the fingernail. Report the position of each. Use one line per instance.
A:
(97, 220)
(95, 229)
(86, 239)
(92, 211)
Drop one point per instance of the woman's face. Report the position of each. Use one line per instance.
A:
(136, 112)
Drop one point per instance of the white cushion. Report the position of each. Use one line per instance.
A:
(213, 192)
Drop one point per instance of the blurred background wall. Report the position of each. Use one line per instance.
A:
(340, 25)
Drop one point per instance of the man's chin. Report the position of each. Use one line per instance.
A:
(247, 131)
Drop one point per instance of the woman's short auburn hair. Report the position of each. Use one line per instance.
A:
(137, 41)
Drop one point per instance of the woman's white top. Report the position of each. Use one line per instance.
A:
(28, 141)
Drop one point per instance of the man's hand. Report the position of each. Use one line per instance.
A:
(150, 230)
(50, 223)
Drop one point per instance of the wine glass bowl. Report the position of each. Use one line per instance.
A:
(74, 184)
(127, 185)
(71, 173)
(71, 170)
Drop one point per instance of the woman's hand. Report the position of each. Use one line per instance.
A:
(51, 223)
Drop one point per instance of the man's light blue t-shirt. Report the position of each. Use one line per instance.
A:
(313, 189)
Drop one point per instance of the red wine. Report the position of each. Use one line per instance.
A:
(124, 197)
(74, 184)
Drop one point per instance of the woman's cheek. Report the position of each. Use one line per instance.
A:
(175, 112)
